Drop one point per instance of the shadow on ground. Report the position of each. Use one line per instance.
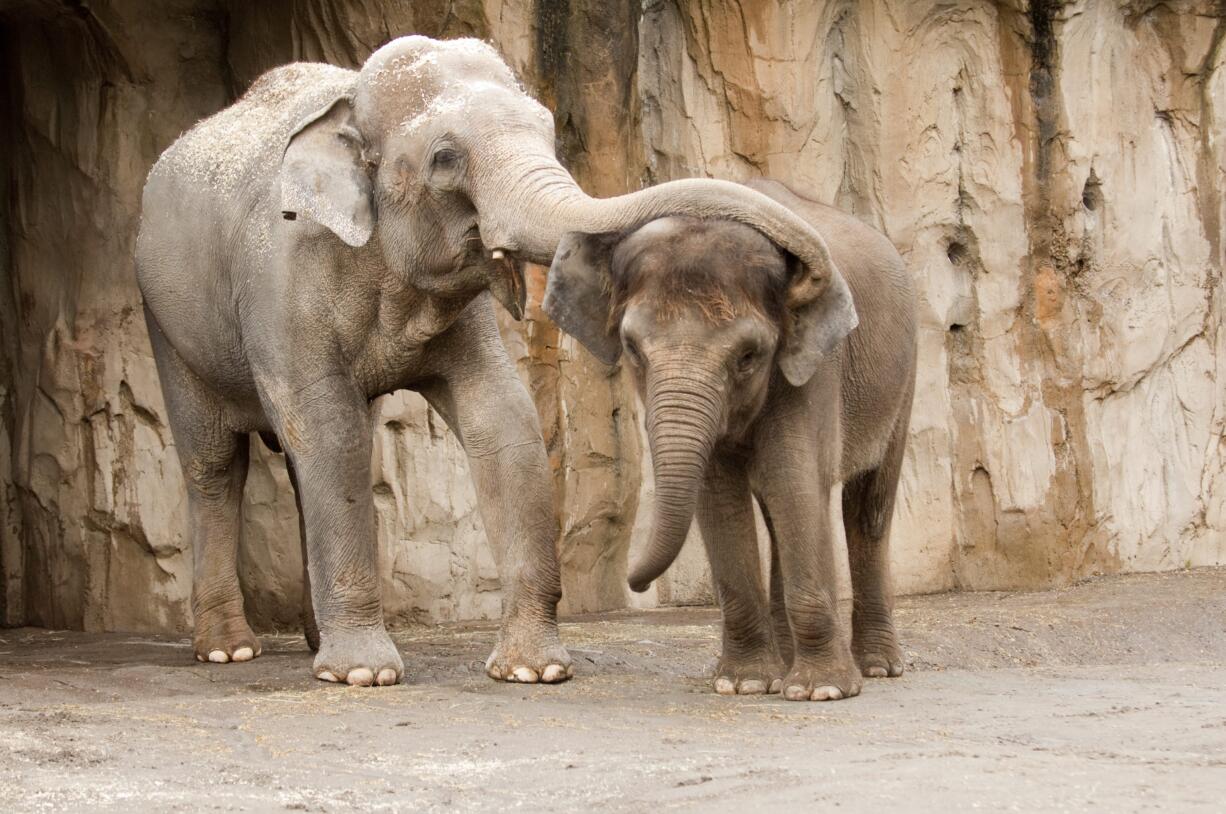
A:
(1110, 694)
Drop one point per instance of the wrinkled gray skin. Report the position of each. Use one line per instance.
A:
(329, 238)
(755, 384)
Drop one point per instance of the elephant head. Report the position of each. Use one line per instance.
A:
(706, 311)
(438, 151)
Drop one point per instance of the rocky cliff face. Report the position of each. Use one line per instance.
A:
(1052, 172)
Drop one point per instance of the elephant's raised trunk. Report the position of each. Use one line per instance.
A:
(683, 418)
(528, 202)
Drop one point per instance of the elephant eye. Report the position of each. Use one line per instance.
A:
(632, 351)
(446, 158)
(746, 360)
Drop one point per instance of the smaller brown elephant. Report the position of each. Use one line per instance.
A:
(756, 381)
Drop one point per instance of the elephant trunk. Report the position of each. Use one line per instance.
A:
(683, 419)
(529, 202)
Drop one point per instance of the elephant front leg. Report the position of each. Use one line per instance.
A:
(749, 662)
(822, 666)
(496, 420)
(328, 438)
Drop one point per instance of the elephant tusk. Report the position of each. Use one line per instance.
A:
(497, 254)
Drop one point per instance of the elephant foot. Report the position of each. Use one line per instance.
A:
(529, 656)
(361, 658)
(878, 654)
(756, 674)
(823, 679)
(224, 639)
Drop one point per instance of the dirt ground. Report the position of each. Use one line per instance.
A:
(1110, 695)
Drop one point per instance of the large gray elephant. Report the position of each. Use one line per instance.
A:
(329, 238)
(756, 384)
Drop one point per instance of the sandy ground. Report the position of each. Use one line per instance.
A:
(1106, 696)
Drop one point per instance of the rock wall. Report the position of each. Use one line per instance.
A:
(1051, 171)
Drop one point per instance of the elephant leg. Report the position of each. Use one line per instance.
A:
(214, 461)
(868, 510)
(749, 661)
(779, 610)
(325, 428)
(492, 414)
(791, 475)
(310, 629)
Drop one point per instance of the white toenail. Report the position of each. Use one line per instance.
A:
(827, 694)
(553, 672)
(795, 693)
(776, 684)
(724, 686)
(199, 657)
(525, 675)
(327, 675)
(495, 672)
(243, 654)
(361, 677)
(218, 656)
(752, 687)
(387, 677)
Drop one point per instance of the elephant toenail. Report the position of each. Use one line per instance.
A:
(243, 654)
(327, 675)
(724, 686)
(495, 672)
(553, 673)
(525, 675)
(360, 677)
(218, 656)
(776, 685)
(752, 687)
(387, 677)
(796, 693)
(827, 694)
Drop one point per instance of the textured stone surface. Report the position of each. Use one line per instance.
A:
(1051, 171)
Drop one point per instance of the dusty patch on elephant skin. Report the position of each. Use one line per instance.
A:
(226, 640)
(830, 679)
(359, 658)
(522, 659)
(756, 674)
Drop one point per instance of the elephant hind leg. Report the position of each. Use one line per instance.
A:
(868, 509)
(310, 628)
(214, 460)
(778, 606)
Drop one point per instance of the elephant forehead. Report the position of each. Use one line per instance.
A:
(470, 101)
(407, 78)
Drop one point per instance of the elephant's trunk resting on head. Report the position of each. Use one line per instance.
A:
(529, 204)
(683, 418)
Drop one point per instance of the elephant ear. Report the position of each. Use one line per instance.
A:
(323, 174)
(577, 292)
(822, 314)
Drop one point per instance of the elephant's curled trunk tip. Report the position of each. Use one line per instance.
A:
(640, 582)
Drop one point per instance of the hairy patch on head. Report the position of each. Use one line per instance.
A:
(720, 270)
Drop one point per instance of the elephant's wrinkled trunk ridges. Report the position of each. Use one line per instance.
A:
(683, 419)
(529, 202)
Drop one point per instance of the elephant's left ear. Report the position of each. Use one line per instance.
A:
(822, 313)
(324, 176)
(577, 294)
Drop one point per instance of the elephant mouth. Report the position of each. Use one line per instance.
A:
(507, 283)
(500, 269)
